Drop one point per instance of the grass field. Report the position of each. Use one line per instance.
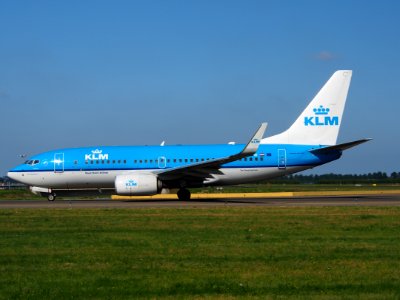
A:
(335, 252)
(18, 194)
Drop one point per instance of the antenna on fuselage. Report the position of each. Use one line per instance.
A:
(162, 143)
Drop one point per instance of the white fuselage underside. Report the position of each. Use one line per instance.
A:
(106, 179)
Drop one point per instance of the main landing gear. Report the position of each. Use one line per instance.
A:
(51, 196)
(184, 194)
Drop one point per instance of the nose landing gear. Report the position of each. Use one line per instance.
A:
(51, 196)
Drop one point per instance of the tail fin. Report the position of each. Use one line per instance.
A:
(319, 123)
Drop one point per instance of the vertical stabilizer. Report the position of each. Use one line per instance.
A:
(320, 122)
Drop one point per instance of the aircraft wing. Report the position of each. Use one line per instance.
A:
(339, 147)
(202, 170)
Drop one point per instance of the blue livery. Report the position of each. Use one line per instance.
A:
(147, 170)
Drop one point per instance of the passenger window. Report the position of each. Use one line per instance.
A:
(191, 160)
(180, 160)
(75, 162)
(124, 161)
(91, 162)
(119, 161)
(250, 159)
(174, 160)
(86, 162)
(114, 161)
(186, 160)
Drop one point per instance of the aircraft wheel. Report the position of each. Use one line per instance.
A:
(51, 197)
(184, 195)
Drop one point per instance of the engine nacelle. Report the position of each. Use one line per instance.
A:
(39, 190)
(137, 184)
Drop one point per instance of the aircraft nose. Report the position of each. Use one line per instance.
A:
(11, 175)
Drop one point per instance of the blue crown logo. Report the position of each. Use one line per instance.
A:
(321, 110)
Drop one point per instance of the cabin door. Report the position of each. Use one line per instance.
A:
(281, 158)
(58, 162)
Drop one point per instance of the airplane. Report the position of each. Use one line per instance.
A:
(148, 170)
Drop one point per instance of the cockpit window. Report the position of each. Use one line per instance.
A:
(32, 162)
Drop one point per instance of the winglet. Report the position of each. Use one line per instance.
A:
(205, 168)
(252, 145)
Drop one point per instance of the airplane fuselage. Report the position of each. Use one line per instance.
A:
(97, 167)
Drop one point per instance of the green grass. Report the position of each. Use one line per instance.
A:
(336, 252)
(18, 194)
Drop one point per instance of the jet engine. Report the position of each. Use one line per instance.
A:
(137, 184)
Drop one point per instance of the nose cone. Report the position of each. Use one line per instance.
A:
(16, 173)
(12, 175)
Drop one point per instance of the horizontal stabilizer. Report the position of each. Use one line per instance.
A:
(340, 147)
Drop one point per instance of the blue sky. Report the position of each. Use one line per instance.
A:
(81, 73)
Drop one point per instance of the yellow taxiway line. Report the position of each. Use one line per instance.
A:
(260, 195)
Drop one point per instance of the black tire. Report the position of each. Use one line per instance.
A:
(184, 195)
(51, 197)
